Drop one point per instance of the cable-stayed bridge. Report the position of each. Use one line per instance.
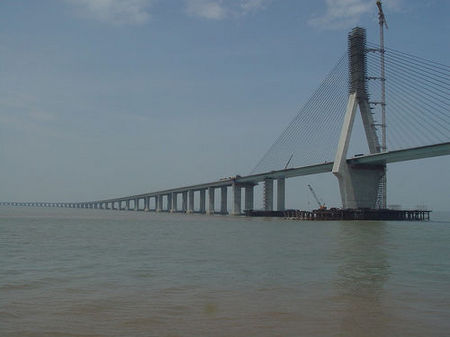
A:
(404, 113)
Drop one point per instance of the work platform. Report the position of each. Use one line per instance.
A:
(346, 214)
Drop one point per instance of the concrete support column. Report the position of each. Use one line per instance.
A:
(174, 206)
(191, 202)
(159, 203)
(156, 203)
(211, 191)
(268, 194)
(223, 200)
(236, 199)
(281, 198)
(113, 205)
(146, 204)
(169, 202)
(249, 205)
(184, 201)
(127, 205)
(136, 204)
(202, 201)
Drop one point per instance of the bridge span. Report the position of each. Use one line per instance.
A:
(167, 200)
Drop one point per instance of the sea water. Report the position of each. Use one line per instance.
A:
(73, 272)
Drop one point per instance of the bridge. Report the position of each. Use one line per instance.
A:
(419, 127)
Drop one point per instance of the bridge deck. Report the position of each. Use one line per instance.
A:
(378, 158)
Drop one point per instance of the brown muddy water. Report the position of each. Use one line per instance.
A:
(66, 272)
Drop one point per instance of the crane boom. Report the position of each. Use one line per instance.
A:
(287, 164)
(321, 205)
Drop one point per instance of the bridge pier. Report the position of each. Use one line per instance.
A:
(184, 196)
(202, 201)
(169, 202)
(268, 194)
(249, 196)
(159, 203)
(190, 208)
(281, 196)
(236, 209)
(211, 192)
(174, 206)
(223, 200)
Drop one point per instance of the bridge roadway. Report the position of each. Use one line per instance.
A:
(167, 200)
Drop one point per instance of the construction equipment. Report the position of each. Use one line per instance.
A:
(382, 197)
(321, 204)
(288, 162)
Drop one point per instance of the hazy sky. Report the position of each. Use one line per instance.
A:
(105, 98)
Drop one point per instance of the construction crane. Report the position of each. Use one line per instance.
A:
(382, 22)
(288, 162)
(321, 204)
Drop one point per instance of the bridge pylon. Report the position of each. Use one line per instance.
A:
(359, 184)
